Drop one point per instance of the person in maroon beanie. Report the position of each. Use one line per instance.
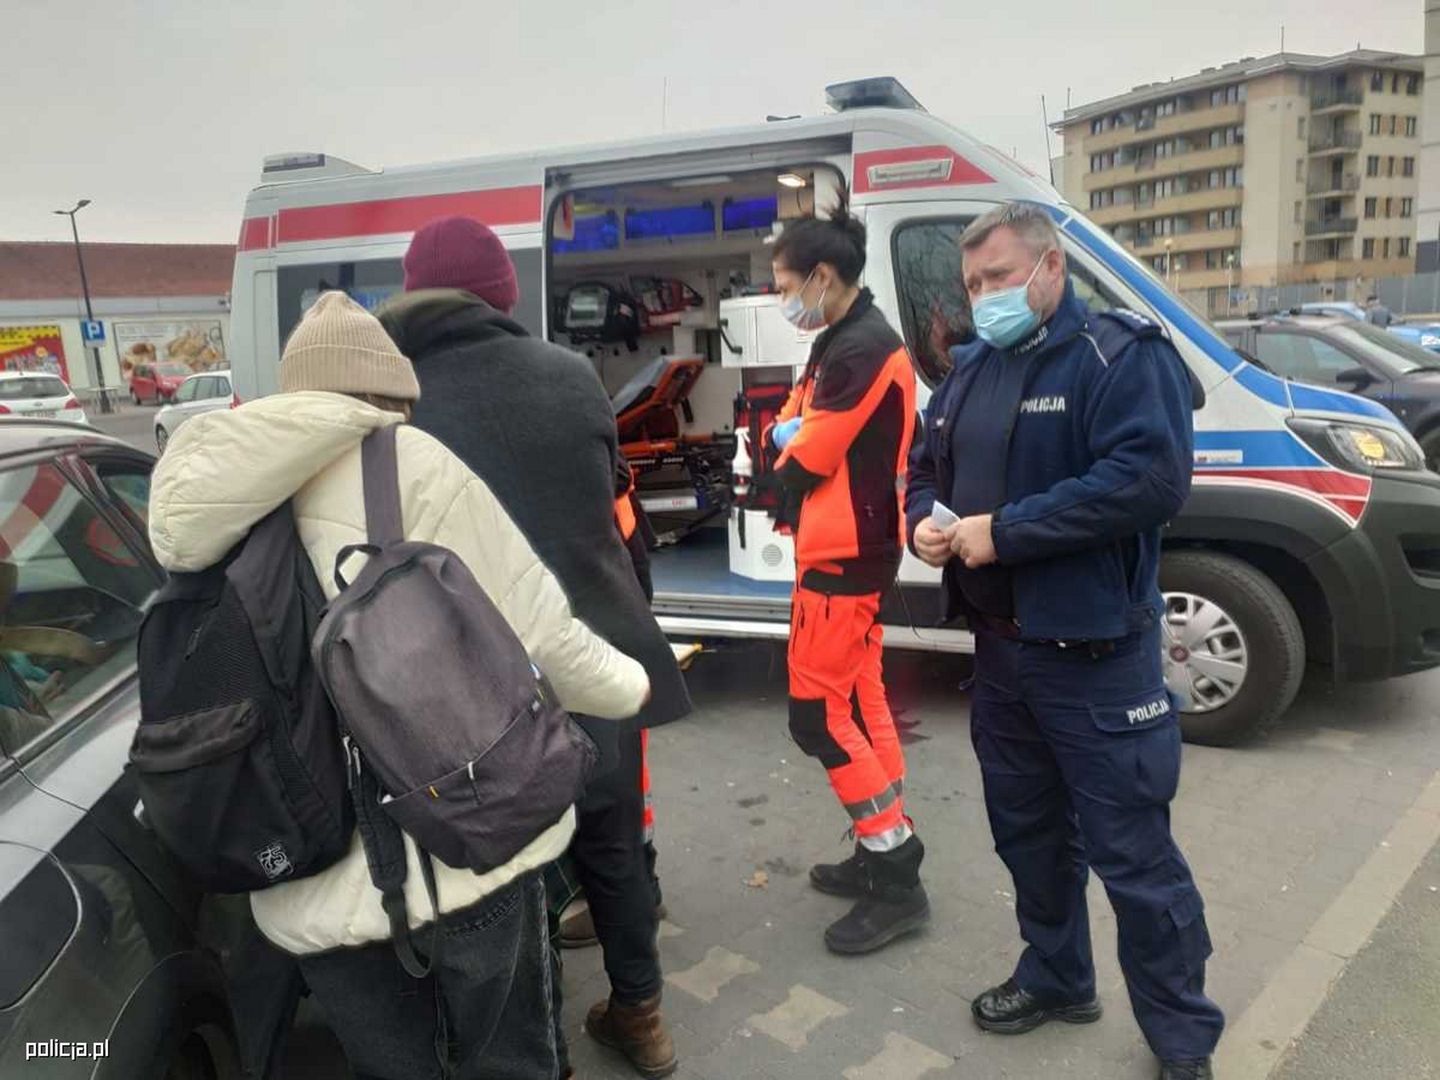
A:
(533, 421)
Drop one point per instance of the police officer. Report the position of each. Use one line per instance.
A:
(1062, 441)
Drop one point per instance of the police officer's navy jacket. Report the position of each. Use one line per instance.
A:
(1081, 457)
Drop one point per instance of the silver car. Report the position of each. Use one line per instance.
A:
(113, 965)
(207, 392)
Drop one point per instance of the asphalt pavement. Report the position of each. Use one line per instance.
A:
(1315, 849)
(133, 423)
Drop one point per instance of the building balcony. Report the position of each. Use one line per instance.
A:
(1345, 185)
(1152, 168)
(1164, 126)
(1147, 246)
(1187, 203)
(1334, 142)
(1336, 100)
(1336, 226)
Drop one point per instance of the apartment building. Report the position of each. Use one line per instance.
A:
(1427, 236)
(1264, 172)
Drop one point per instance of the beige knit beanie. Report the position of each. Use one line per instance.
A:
(341, 347)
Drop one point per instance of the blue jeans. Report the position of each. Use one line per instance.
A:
(484, 1014)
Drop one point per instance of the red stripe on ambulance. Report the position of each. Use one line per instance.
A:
(382, 217)
(1345, 493)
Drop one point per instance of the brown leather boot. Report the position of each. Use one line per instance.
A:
(638, 1032)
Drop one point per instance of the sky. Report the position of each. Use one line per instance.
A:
(161, 112)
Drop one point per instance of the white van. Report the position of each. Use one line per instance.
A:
(1313, 531)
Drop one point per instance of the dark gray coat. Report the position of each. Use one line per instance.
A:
(533, 421)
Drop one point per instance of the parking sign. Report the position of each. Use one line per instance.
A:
(92, 331)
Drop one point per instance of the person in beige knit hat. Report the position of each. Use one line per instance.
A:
(490, 995)
(342, 348)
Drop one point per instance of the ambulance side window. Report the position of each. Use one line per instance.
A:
(370, 283)
(1088, 288)
(934, 309)
(373, 281)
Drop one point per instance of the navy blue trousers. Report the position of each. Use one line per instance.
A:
(1080, 754)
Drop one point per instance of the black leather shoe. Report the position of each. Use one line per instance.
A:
(845, 879)
(1008, 1010)
(1198, 1069)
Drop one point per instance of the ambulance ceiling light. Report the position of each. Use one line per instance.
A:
(700, 181)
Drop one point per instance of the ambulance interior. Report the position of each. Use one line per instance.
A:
(667, 287)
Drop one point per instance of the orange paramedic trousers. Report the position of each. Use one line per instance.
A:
(838, 711)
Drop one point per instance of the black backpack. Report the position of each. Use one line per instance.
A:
(239, 760)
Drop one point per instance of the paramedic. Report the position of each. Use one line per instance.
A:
(533, 421)
(1062, 440)
(843, 438)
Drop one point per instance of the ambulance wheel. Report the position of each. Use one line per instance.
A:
(1234, 648)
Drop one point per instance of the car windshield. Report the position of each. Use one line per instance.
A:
(32, 386)
(173, 369)
(1397, 354)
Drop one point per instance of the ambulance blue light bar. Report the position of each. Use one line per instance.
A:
(885, 92)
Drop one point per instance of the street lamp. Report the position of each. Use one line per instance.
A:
(101, 392)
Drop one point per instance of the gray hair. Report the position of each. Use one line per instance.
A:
(1027, 220)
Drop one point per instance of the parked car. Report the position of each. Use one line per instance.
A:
(1424, 334)
(1345, 309)
(157, 382)
(38, 396)
(1354, 356)
(197, 394)
(104, 958)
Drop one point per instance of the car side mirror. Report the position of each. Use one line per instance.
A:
(1356, 378)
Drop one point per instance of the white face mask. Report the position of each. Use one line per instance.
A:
(800, 316)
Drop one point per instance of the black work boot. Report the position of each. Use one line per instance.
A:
(1196, 1069)
(845, 879)
(1008, 1010)
(893, 903)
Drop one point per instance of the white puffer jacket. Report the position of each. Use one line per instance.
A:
(224, 471)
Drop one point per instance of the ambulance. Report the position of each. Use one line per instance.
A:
(1311, 538)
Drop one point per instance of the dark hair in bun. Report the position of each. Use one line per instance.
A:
(838, 240)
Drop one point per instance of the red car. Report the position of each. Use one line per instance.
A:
(157, 382)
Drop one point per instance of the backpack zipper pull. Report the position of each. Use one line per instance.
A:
(352, 762)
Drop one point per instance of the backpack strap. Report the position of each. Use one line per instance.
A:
(384, 846)
(384, 523)
(381, 467)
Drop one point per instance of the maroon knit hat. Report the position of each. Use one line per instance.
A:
(460, 253)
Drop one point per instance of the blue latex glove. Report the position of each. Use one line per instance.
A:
(781, 434)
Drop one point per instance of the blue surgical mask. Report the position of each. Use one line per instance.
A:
(1005, 316)
(800, 316)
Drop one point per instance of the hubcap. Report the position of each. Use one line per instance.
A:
(1206, 655)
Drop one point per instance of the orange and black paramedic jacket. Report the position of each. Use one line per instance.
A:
(847, 461)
